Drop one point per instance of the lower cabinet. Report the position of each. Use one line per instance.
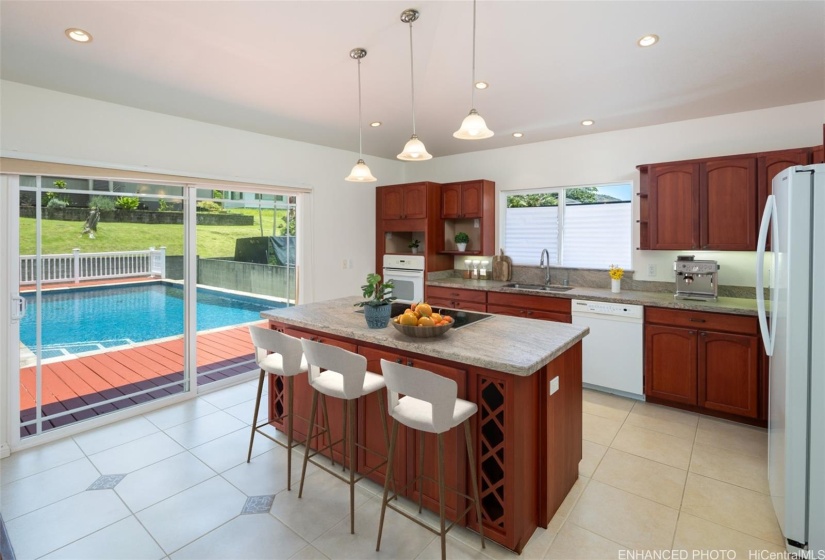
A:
(530, 307)
(457, 298)
(706, 360)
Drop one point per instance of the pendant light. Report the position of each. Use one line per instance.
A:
(473, 127)
(360, 173)
(414, 149)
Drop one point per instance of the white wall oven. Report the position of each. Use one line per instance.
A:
(407, 275)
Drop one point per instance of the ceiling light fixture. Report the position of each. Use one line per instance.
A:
(360, 173)
(482, 85)
(588, 122)
(473, 127)
(414, 149)
(518, 134)
(78, 35)
(648, 41)
(376, 124)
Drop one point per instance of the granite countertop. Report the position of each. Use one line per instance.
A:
(735, 306)
(500, 343)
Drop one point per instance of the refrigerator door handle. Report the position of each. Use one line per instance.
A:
(768, 216)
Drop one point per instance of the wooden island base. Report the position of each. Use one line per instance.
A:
(527, 442)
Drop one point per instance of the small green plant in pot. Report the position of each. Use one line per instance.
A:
(377, 308)
(413, 245)
(461, 240)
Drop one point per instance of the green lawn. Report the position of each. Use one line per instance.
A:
(61, 237)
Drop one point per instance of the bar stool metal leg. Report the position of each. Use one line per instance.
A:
(387, 479)
(255, 416)
(326, 422)
(307, 451)
(471, 458)
(289, 432)
(441, 491)
(352, 465)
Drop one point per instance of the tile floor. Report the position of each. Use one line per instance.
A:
(174, 483)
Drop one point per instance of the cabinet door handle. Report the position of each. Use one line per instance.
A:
(398, 360)
(409, 363)
(691, 332)
(702, 333)
(695, 320)
(454, 294)
(529, 312)
(704, 246)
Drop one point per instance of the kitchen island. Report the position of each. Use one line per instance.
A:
(527, 441)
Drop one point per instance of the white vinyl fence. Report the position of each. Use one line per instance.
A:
(79, 266)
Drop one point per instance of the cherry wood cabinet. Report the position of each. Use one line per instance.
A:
(457, 298)
(712, 203)
(469, 207)
(727, 198)
(530, 307)
(404, 202)
(674, 206)
(462, 200)
(708, 361)
(670, 364)
(728, 366)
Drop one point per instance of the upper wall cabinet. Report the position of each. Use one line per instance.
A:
(462, 200)
(711, 204)
(727, 198)
(404, 202)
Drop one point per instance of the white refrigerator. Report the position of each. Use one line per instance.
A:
(793, 330)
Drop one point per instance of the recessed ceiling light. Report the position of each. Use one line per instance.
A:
(588, 122)
(482, 85)
(518, 134)
(375, 124)
(648, 41)
(78, 35)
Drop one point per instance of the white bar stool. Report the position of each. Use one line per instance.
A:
(430, 405)
(287, 360)
(345, 377)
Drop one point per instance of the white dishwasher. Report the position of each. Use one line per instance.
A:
(613, 351)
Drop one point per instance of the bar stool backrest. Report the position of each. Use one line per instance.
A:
(353, 367)
(268, 340)
(425, 386)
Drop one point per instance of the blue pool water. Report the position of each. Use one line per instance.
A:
(93, 318)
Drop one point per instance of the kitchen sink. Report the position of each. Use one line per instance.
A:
(538, 287)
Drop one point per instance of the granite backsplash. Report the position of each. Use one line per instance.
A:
(588, 278)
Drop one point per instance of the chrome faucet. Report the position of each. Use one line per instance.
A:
(545, 267)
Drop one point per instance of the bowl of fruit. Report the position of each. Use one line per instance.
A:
(419, 321)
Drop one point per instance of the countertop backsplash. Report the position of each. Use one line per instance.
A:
(589, 278)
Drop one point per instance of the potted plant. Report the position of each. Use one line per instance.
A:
(413, 245)
(377, 308)
(461, 240)
(616, 274)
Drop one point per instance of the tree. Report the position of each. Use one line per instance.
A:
(584, 195)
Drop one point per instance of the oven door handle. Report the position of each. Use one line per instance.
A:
(403, 273)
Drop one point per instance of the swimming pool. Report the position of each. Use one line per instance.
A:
(88, 319)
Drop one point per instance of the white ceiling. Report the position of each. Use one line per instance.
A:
(283, 68)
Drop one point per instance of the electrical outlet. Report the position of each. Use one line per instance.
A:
(651, 271)
(344, 264)
(554, 385)
(476, 223)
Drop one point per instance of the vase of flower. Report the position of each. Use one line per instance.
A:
(616, 274)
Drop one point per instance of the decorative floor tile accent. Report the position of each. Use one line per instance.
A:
(258, 504)
(106, 482)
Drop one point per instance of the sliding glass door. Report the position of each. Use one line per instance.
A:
(101, 273)
(245, 264)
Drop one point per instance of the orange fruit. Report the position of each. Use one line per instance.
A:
(425, 322)
(448, 318)
(408, 319)
(424, 309)
(436, 317)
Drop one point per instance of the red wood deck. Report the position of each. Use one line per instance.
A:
(82, 381)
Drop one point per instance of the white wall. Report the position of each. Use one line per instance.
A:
(612, 157)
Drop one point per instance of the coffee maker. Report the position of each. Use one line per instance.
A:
(696, 279)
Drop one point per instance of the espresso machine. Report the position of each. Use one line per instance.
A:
(696, 279)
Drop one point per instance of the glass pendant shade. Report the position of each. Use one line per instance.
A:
(414, 150)
(360, 173)
(473, 128)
